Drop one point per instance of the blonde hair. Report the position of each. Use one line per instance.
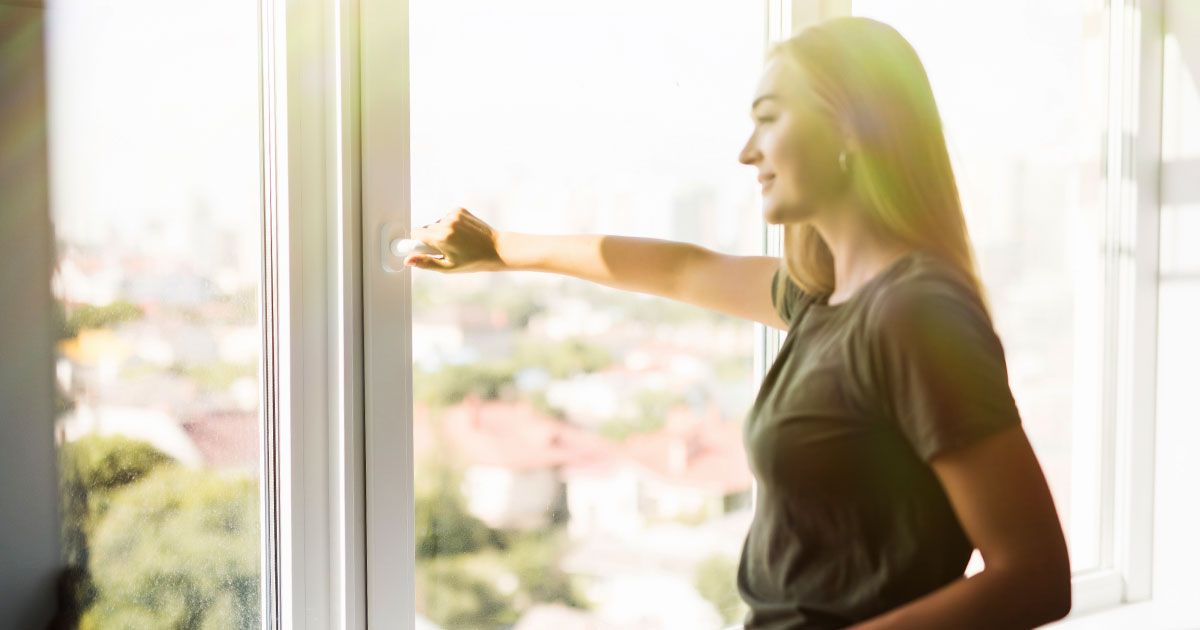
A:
(871, 80)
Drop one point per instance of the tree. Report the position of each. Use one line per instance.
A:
(87, 316)
(89, 470)
(716, 581)
(154, 545)
(178, 549)
(444, 527)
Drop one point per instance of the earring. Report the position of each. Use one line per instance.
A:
(842, 162)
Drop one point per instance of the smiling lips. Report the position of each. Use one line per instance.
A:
(766, 180)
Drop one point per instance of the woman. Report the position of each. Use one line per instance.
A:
(884, 438)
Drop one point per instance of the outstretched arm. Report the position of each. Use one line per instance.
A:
(734, 285)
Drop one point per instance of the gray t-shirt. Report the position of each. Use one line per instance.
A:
(850, 520)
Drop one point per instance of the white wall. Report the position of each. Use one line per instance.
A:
(29, 535)
(1176, 584)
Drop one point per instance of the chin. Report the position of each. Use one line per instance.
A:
(779, 214)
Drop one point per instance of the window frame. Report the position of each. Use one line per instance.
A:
(312, 492)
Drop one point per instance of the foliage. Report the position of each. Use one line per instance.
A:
(716, 581)
(89, 469)
(216, 376)
(564, 358)
(154, 545)
(444, 527)
(651, 416)
(452, 383)
(533, 557)
(490, 588)
(491, 380)
(104, 463)
(472, 577)
(179, 549)
(460, 592)
(87, 316)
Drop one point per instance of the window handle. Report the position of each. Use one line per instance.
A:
(396, 246)
(402, 247)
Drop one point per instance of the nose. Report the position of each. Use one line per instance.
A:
(749, 154)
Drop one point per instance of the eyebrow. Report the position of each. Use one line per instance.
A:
(760, 99)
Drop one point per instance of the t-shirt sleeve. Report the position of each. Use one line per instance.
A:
(942, 368)
(786, 295)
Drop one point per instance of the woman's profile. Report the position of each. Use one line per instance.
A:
(884, 438)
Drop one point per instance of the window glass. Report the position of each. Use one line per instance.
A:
(579, 454)
(1025, 124)
(155, 174)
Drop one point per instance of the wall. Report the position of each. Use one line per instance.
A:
(29, 536)
(1177, 511)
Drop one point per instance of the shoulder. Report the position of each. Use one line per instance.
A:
(926, 293)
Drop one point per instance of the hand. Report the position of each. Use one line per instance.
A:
(466, 242)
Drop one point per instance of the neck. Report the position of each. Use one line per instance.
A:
(860, 251)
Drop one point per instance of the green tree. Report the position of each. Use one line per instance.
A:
(533, 557)
(99, 316)
(178, 549)
(562, 358)
(89, 470)
(715, 579)
(451, 384)
(652, 407)
(460, 592)
(444, 527)
(494, 379)
(153, 545)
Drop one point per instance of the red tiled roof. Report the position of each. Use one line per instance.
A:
(693, 452)
(689, 451)
(510, 435)
(226, 440)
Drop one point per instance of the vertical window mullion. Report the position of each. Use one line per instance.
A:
(387, 315)
(1135, 506)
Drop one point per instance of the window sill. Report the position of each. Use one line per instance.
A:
(1147, 615)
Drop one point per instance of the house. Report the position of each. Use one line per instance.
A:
(511, 456)
(692, 469)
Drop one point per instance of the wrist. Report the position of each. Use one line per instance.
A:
(507, 251)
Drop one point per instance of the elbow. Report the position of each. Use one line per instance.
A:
(1058, 586)
(1065, 601)
(1047, 591)
(1043, 588)
(1058, 598)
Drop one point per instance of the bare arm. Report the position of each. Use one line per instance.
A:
(1000, 496)
(734, 285)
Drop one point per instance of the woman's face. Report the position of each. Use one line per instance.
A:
(794, 146)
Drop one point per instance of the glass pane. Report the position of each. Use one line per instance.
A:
(1025, 127)
(155, 162)
(579, 453)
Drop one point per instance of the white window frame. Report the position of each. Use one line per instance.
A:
(313, 499)
(1133, 167)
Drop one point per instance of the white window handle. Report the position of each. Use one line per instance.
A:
(402, 247)
(395, 246)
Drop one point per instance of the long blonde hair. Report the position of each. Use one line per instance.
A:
(871, 80)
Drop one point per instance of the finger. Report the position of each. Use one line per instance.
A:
(427, 262)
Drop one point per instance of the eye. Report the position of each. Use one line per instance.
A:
(762, 120)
